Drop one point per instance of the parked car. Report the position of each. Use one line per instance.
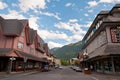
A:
(60, 67)
(45, 68)
(77, 69)
(74, 67)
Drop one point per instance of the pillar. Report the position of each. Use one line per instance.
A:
(113, 66)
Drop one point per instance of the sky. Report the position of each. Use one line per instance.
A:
(58, 22)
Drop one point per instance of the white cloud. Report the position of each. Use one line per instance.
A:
(14, 5)
(50, 14)
(92, 3)
(107, 1)
(26, 5)
(12, 14)
(54, 44)
(33, 23)
(52, 35)
(68, 4)
(90, 11)
(88, 24)
(3, 5)
(72, 26)
(86, 14)
(73, 20)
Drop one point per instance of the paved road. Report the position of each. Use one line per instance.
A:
(55, 74)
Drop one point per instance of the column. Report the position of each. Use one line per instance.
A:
(113, 66)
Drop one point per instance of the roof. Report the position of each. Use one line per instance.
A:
(32, 57)
(104, 12)
(12, 27)
(4, 51)
(24, 22)
(105, 50)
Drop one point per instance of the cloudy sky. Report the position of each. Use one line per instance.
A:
(58, 22)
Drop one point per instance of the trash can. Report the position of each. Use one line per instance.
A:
(87, 71)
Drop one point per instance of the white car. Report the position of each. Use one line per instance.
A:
(60, 67)
(77, 69)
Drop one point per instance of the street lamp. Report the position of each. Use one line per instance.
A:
(85, 56)
(10, 64)
(25, 61)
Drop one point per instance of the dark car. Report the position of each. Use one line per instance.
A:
(45, 68)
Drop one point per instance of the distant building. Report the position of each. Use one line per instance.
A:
(20, 46)
(73, 61)
(102, 42)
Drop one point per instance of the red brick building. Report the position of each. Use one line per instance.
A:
(20, 46)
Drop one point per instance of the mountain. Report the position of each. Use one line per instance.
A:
(68, 51)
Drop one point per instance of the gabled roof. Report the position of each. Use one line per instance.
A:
(24, 22)
(12, 27)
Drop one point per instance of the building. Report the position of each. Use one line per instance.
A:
(53, 60)
(101, 48)
(21, 48)
(74, 61)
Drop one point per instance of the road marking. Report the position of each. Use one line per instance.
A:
(94, 78)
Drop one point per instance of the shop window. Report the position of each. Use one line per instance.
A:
(20, 45)
(117, 65)
(108, 66)
(115, 34)
(99, 65)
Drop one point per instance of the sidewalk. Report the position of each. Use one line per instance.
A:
(102, 76)
(5, 75)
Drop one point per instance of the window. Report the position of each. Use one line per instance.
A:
(31, 50)
(115, 34)
(20, 45)
(108, 65)
(117, 65)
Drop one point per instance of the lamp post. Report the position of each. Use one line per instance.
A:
(25, 61)
(10, 64)
(85, 54)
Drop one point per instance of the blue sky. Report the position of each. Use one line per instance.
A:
(58, 22)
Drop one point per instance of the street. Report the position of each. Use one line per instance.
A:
(56, 74)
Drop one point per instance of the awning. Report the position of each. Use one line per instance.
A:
(4, 51)
(105, 50)
(32, 57)
(9, 52)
